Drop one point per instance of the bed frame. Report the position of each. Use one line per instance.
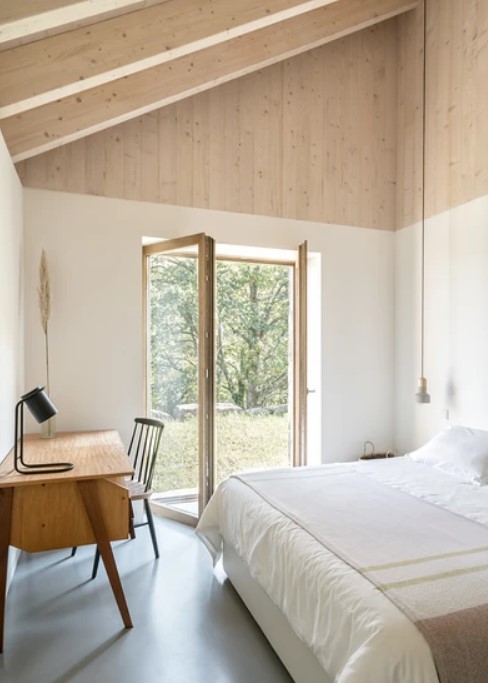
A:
(299, 660)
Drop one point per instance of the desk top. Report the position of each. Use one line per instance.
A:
(95, 455)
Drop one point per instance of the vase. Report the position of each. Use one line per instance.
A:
(48, 428)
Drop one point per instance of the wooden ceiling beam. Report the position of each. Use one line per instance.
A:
(78, 60)
(23, 22)
(77, 116)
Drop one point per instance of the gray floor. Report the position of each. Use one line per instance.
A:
(190, 625)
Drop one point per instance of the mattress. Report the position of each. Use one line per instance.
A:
(357, 634)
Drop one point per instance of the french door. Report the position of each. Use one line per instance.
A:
(180, 367)
(179, 310)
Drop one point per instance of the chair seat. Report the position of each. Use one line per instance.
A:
(137, 490)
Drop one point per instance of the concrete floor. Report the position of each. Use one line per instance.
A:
(190, 625)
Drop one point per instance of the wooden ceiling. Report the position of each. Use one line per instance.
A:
(69, 68)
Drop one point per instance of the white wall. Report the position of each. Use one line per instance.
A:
(11, 318)
(456, 322)
(358, 339)
(94, 251)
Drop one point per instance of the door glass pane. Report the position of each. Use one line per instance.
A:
(173, 374)
(254, 366)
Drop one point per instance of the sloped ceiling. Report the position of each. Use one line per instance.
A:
(69, 69)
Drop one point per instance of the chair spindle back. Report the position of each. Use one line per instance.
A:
(144, 447)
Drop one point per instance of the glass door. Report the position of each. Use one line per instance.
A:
(261, 361)
(241, 376)
(179, 362)
(254, 365)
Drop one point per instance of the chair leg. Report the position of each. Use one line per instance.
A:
(150, 521)
(96, 562)
(132, 532)
(73, 551)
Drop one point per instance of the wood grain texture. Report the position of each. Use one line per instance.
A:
(23, 22)
(92, 504)
(310, 138)
(39, 128)
(95, 455)
(89, 504)
(6, 498)
(13, 11)
(456, 107)
(409, 118)
(82, 58)
(51, 515)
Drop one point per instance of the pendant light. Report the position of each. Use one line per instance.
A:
(422, 396)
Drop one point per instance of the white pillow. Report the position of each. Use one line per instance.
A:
(462, 451)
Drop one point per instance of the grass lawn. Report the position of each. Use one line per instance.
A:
(244, 442)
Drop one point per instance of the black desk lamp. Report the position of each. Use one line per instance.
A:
(42, 408)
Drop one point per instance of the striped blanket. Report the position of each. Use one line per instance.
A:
(430, 562)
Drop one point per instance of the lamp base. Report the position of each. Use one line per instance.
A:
(42, 468)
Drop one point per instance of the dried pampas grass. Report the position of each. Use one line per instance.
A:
(44, 292)
(44, 296)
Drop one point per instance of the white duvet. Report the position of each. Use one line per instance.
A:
(356, 633)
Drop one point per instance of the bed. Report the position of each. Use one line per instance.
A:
(330, 620)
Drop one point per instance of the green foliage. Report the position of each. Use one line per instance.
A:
(244, 442)
(252, 333)
(252, 347)
(177, 463)
(174, 332)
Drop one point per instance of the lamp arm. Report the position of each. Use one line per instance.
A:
(18, 448)
(41, 468)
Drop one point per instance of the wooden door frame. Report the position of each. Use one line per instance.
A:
(300, 358)
(206, 357)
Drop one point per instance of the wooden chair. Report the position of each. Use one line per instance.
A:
(143, 450)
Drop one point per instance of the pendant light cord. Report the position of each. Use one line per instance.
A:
(422, 252)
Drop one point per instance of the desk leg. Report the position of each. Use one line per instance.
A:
(6, 497)
(89, 495)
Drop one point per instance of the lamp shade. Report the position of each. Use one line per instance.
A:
(422, 396)
(39, 404)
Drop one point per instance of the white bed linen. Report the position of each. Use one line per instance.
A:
(356, 633)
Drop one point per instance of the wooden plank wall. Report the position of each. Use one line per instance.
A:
(456, 107)
(409, 118)
(312, 138)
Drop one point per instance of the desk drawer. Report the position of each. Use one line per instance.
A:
(52, 515)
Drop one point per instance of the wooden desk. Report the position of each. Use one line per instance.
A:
(88, 504)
